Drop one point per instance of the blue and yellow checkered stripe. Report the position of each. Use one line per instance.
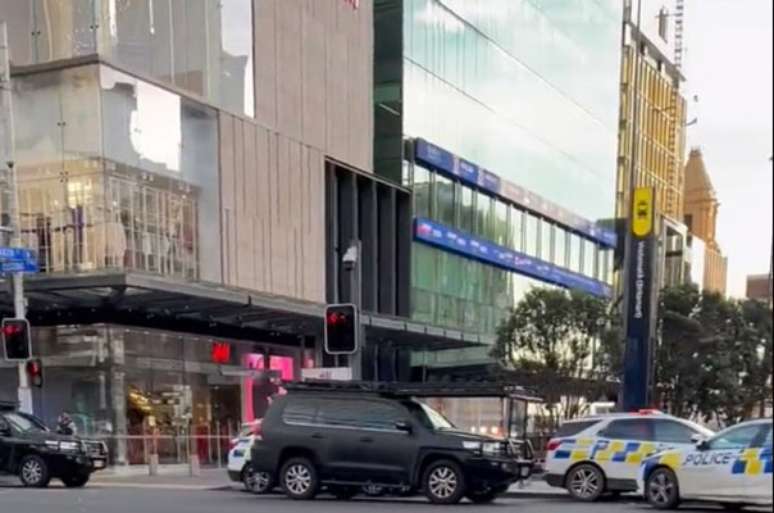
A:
(754, 462)
(632, 453)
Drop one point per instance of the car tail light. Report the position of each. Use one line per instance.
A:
(553, 445)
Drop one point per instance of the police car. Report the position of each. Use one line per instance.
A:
(733, 468)
(602, 454)
(239, 467)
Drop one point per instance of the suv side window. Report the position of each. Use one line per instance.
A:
(670, 431)
(300, 411)
(358, 414)
(630, 429)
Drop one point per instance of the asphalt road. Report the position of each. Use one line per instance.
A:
(158, 500)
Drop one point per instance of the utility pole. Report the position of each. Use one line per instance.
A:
(10, 198)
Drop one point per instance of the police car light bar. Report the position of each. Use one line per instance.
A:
(650, 412)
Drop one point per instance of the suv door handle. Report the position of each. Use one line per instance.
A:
(366, 439)
(317, 436)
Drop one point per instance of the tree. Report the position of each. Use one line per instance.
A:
(713, 356)
(551, 336)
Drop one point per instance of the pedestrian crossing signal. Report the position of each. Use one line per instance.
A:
(16, 340)
(342, 329)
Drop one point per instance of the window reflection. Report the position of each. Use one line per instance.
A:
(443, 209)
(421, 192)
(130, 185)
(530, 235)
(546, 246)
(202, 46)
(517, 229)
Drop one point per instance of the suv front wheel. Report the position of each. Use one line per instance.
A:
(299, 479)
(33, 472)
(444, 482)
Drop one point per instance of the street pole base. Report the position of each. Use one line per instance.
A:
(153, 465)
(194, 467)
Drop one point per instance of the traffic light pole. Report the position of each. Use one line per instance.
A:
(355, 284)
(6, 112)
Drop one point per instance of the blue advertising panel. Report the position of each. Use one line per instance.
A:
(18, 260)
(446, 162)
(469, 246)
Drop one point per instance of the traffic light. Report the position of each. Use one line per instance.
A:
(16, 339)
(34, 370)
(342, 329)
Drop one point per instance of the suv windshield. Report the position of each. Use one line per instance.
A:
(429, 418)
(24, 423)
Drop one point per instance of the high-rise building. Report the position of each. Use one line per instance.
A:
(502, 117)
(173, 161)
(653, 110)
(701, 211)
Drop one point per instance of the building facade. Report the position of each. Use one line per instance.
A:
(172, 161)
(701, 211)
(502, 118)
(652, 139)
(759, 287)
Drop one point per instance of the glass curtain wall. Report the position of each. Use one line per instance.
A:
(204, 47)
(116, 173)
(458, 292)
(466, 60)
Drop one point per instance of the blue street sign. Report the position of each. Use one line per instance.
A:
(18, 260)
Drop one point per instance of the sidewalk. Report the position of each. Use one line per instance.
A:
(170, 477)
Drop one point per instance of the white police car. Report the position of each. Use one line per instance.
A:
(239, 468)
(602, 454)
(733, 468)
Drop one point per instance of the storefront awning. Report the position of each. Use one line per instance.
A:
(156, 301)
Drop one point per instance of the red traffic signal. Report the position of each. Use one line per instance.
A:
(16, 339)
(342, 329)
(34, 370)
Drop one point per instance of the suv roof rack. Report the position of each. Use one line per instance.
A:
(435, 389)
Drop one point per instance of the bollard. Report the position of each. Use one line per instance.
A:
(153, 465)
(193, 466)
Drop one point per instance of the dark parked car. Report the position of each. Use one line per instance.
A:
(342, 438)
(35, 454)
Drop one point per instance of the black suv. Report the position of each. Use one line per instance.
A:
(35, 454)
(343, 439)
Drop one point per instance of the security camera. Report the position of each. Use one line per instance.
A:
(350, 258)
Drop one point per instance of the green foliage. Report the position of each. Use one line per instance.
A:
(552, 335)
(713, 357)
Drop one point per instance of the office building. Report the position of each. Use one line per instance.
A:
(172, 161)
(759, 287)
(653, 144)
(502, 117)
(701, 211)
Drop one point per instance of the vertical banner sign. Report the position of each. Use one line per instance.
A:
(640, 310)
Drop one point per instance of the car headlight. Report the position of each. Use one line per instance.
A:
(491, 448)
(69, 446)
(472, 446)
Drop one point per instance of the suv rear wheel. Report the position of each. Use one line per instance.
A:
(586, 483)
(444, 482)
(33, 472)
(299, 479)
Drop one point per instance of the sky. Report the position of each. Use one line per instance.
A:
(728, 64)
